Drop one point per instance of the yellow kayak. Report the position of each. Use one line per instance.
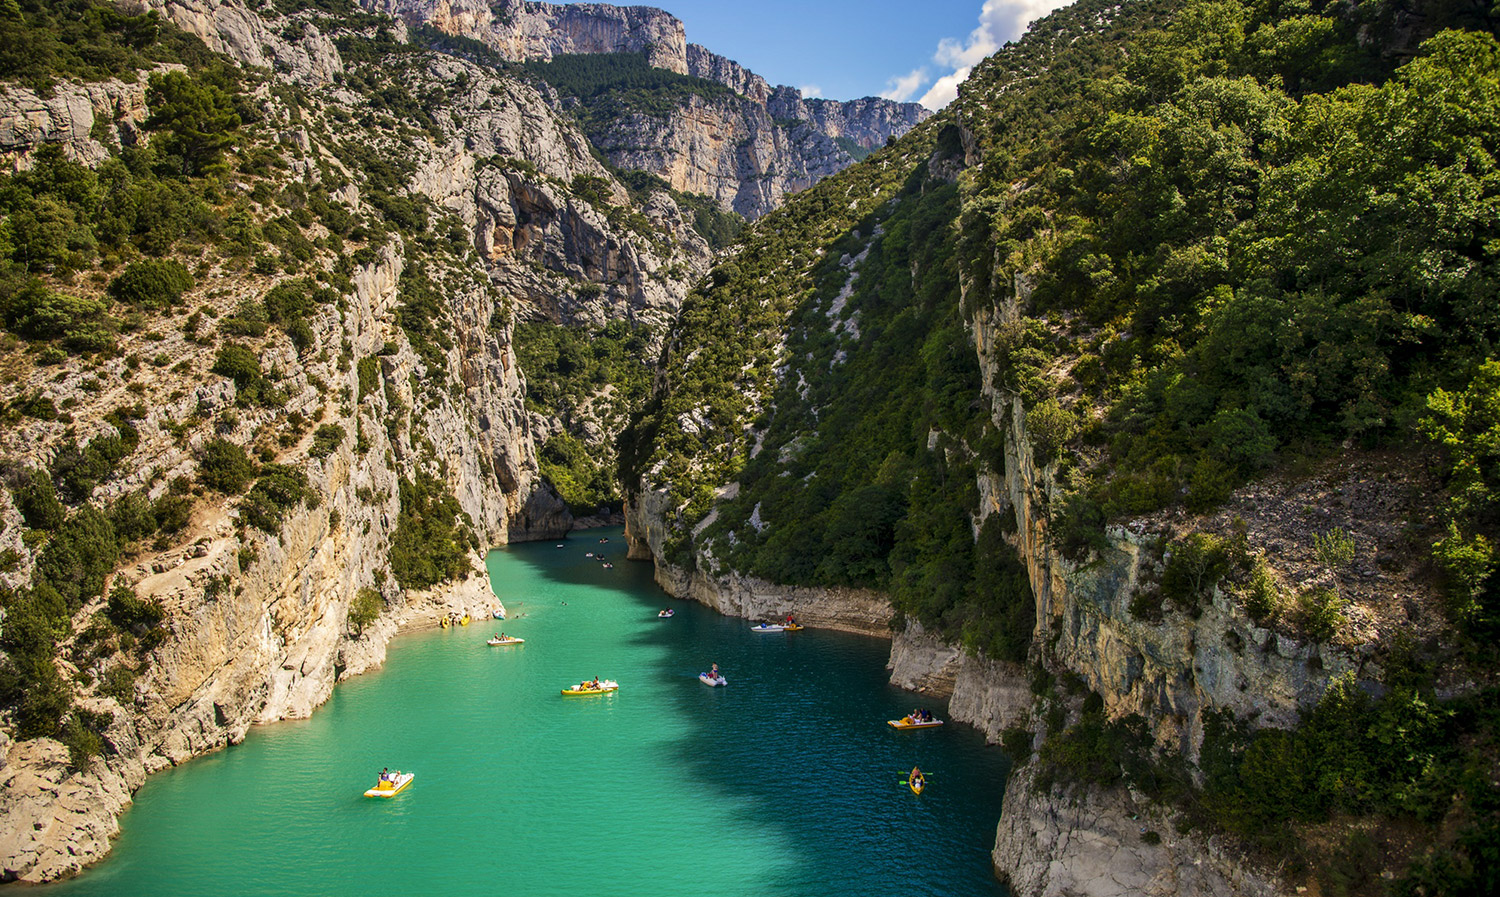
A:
(917, 785)
(464, 621)
(391, 787)
(907, 722)
(605, 687)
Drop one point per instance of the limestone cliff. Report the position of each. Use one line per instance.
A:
(257, 622)
(747, 152)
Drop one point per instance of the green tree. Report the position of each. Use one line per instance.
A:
(197, 118)
(151, 284)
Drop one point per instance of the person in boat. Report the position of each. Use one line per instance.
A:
(713, 672)
(595, 683)
(385, 774)
(916, 777)
(791, 620)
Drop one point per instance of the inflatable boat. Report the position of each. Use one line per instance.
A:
(706, 679)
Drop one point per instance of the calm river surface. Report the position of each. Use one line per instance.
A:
(785, 782)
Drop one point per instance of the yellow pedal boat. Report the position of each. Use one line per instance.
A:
(605, 687)
(907, 722)
(793, 627)
(391, 787)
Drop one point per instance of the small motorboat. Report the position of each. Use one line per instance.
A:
(499, 614)
(768, 627)
(498, 642)
(392, 786)
(605, 686)
(907, 722)
(708, 679)
(589, 555)
(666, 613)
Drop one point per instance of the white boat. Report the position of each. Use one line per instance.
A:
(499, 614)
(497, 641)
(666, 613)
(768, 627)
(706, 679)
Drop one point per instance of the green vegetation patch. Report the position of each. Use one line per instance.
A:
(615, 84)
(433, 537)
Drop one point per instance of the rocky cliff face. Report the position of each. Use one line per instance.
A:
(256, 622)
(1084, 842)
(69, 117)
(526, 30)
(734, 594)
(747, 152)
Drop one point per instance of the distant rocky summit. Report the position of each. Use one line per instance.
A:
(748, 151)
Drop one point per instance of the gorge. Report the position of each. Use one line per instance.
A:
(1144, 396)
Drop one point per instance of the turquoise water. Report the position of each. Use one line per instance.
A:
(785, 782)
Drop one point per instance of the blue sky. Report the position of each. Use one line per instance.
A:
(915, 50)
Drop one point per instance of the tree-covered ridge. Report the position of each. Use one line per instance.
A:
(1223, 270)
(719, 367)
(866, 460)
(614, 84)
(1205, 239)
(44, 40)
(1259, 232)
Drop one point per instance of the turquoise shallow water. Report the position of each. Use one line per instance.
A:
(785, 782)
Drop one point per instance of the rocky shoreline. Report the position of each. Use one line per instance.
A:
(58, 820)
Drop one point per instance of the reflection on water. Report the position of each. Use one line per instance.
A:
(786, 781)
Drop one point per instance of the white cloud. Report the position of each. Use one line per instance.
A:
(811, 91)
(1000, 21)
(945, 90)
(903, 87)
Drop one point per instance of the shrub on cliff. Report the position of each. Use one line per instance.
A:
(277, 490)
(224, 466)
(131, 612)
(151, 284)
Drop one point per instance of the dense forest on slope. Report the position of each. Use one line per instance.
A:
(610, 85)
(208, 248)
(1212, 241)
